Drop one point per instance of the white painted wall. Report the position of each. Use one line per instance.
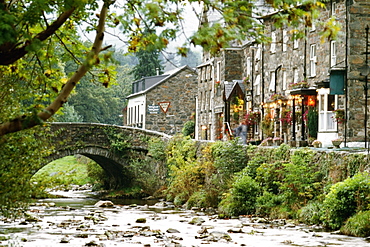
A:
(136, 111)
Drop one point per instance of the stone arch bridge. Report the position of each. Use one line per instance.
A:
(110, 146)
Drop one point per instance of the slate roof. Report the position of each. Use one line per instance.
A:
(153, 81)
(233, 87)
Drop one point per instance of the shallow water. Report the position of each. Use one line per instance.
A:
(117, 227)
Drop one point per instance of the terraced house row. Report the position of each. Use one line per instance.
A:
(294, 91)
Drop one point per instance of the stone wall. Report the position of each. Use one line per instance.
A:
(180, 90)
(359, 18)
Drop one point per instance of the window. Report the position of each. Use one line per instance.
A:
(272, 82)
(249, 66)
(128, 115)
(313, 60)
(273, 42)
(333, 53)
(218, 71)
(295, 75)
(257, 85)
(203, 74)
(285, 40)
(296, 43)
(333, 7)
(313, 26)
(258, 53)
(284, 80)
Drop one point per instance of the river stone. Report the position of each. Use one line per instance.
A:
(220, 235)
(235, 230)
(160, 205)
(91, 243)
(141, 220)
(171, 230)
(102, 237)
(31, 218)
(104, 204)
(197, 221)
(64, 241)
(203, 230)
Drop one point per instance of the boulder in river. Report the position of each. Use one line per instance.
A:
(141, 220)
(172, 230)
(104, 204)
(197, 221)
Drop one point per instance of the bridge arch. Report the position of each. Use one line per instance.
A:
(110, 146)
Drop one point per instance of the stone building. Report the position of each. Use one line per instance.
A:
(164, 102)
(298, 89)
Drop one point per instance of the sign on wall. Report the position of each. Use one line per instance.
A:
(337, 81)
(164, 106)
(153, 109)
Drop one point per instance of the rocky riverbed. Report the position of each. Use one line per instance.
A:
(83, 221)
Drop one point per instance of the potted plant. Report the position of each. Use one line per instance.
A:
(336, 142)
(317, 144)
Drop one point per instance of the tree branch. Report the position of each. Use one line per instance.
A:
(11, 56)
(26, 122)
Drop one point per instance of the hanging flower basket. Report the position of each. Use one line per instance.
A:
(252, 118)
(339, 116)
(277, 96)
(301, 84)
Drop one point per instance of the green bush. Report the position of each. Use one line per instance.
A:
(180, 199)
(358, 225)
(229, 157)
(188, 129)
(242, 197)
(345, 199)
(310, 214)
(197, 199)
(268, 203)
(185, 174)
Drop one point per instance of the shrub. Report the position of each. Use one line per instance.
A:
(229, 157)
(310, 214)
(197, 199)
(180, 199)
(188, 129)
(268, 204)
(345, 199)
(186, 175)
(358, 225)
(242, 197)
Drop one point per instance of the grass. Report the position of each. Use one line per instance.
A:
(64, 172)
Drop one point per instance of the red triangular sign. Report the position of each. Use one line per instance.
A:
(164, 106)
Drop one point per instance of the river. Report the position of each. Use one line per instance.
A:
(76, 221)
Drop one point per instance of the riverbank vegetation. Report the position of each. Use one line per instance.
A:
(327, 188)
(331, 189)
(66, 172)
